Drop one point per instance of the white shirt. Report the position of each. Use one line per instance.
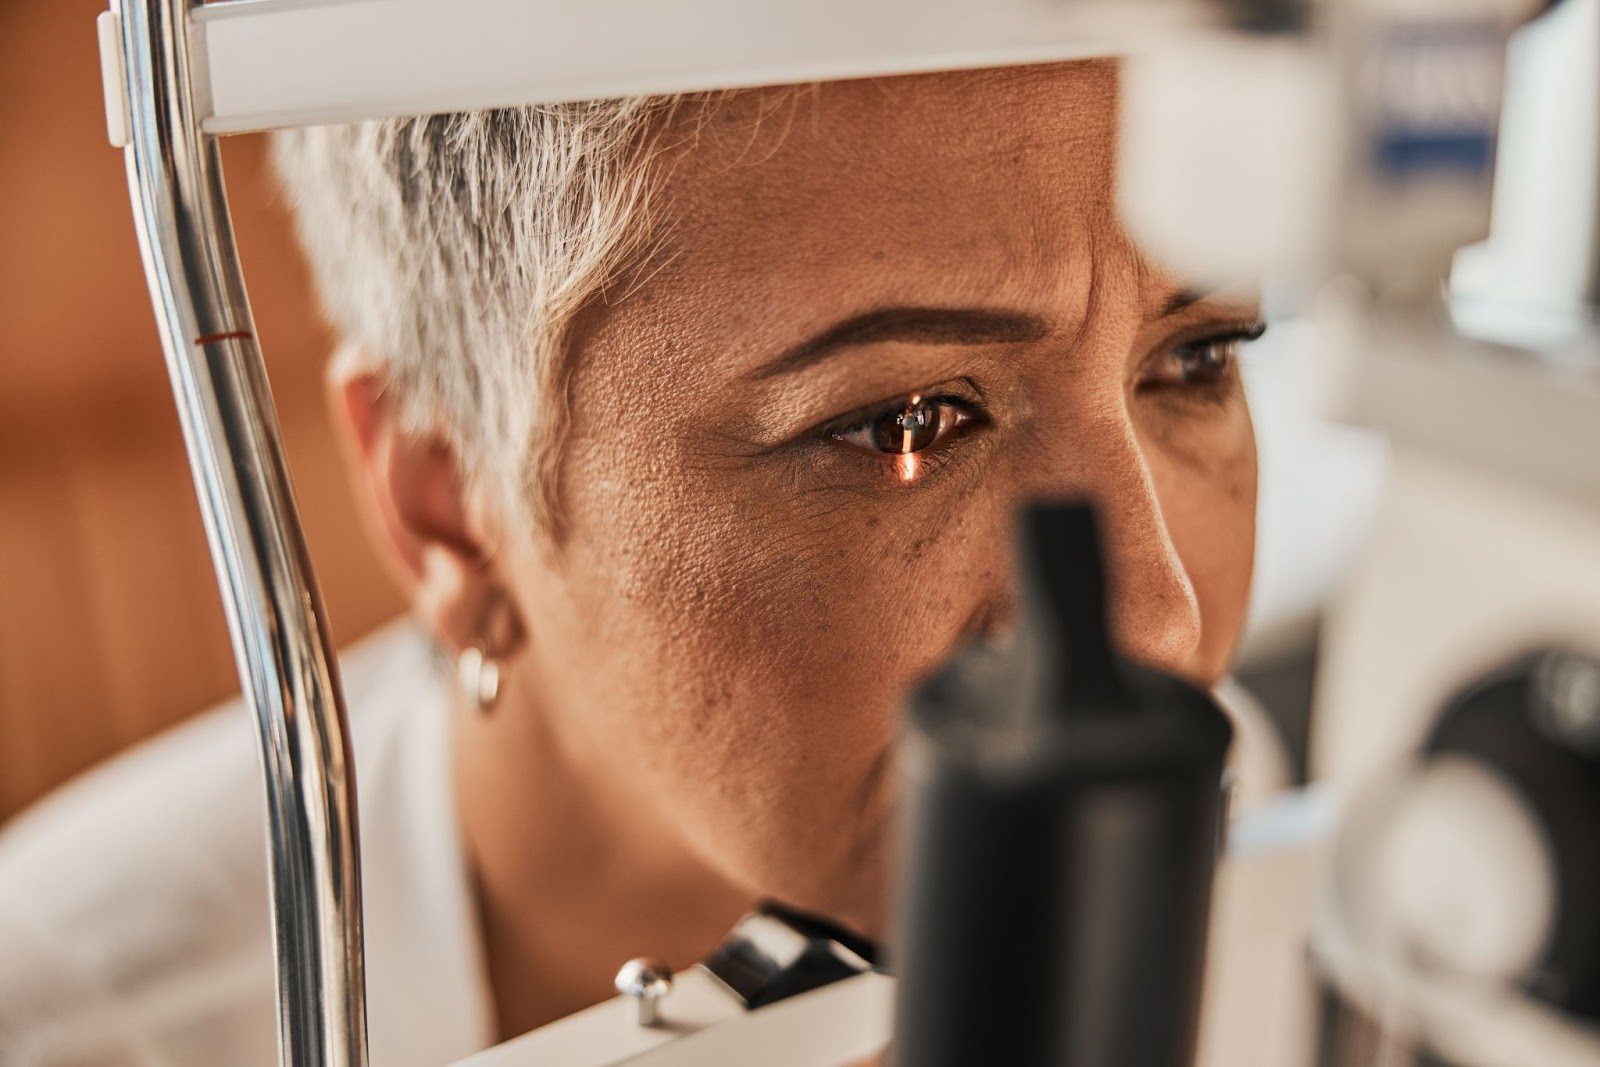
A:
(134, 920)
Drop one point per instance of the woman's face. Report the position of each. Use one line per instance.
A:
(882, 315)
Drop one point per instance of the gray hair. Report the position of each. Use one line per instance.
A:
(458, 249)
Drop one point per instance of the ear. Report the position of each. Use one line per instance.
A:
(416, 501)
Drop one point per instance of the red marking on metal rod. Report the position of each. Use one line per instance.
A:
(236, 335)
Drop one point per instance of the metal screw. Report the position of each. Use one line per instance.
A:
(644, 981)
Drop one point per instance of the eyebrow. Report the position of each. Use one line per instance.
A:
(919, 325)
(1181, 299)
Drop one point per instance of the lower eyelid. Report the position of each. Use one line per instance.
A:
(1204, 395)
(1228, 369)
(953, 447)
(887, 470)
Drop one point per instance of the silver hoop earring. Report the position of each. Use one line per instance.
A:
(479, 676)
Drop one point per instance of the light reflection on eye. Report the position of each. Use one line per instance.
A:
(1206, 362)
(903, 431)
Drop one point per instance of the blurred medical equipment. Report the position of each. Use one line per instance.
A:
(785, 988)
(1354, 142)
(1064, 810)
(1463, 922)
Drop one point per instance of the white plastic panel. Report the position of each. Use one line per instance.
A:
(263, 64)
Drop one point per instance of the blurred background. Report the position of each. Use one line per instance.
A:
(111, 626)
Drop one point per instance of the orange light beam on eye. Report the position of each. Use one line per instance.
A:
(908, 458)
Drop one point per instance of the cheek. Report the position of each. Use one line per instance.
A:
(1206, 480)
(746, 646)
(819, 608)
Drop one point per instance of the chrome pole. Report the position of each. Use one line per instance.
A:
(274, 610)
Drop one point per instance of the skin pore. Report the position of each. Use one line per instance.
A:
(880, 315)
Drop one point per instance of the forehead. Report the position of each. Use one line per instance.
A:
(878, 140)
(781, 210)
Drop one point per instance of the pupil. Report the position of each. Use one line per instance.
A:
(1205, 362)
(903, 432)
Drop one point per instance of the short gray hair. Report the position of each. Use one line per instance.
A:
(458, 249)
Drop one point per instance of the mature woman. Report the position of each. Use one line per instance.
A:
(694, 429)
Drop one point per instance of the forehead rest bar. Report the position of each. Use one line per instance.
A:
(267, 64)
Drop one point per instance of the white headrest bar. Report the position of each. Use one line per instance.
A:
(264, 64)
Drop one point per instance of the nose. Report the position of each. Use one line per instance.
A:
(1155, 614)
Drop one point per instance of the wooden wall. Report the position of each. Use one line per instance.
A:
(110, 622)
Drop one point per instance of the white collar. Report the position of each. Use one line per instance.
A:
(428, 1000)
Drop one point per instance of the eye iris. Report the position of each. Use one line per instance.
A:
(911, 429)
(1205, 362)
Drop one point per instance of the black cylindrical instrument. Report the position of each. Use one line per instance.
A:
(1063, 827)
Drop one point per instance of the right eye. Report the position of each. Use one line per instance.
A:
(911, 425)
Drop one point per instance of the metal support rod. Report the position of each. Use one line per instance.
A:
(274, 611)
